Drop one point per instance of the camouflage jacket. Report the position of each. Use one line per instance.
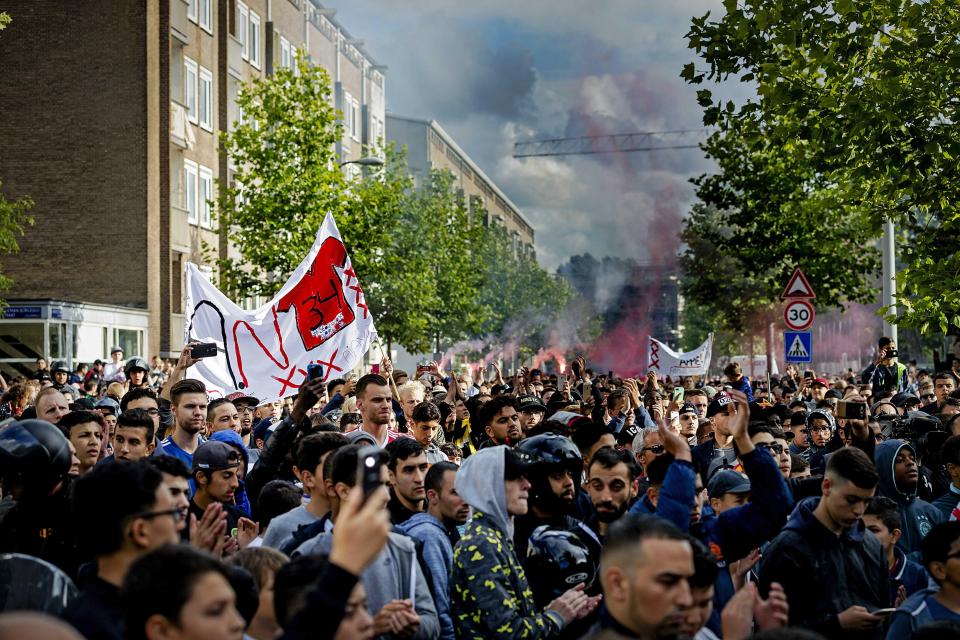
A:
(489, 595)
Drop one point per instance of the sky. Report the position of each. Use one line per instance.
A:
(494, 72)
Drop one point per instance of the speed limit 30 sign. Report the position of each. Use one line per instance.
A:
(798, 314)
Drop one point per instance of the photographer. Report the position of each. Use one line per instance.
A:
(885, 374)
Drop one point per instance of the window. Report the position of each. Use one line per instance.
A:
(285, 60)
(192, 10)
(351, 117)
(253, 42)
(206, 15)
(206, 99)
(190, 88)
(206, 195)
(190, 190)
(355, 125)
(243, 28)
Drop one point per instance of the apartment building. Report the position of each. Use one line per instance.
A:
(109, 119)
(430, 147)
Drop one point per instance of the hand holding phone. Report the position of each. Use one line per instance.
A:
(204, 350)
(314, 371)
(369, 464)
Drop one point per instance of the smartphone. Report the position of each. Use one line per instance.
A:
(678, 394)
(851, 410)
(204, 350)
(808, 374)
(369, 462)
(314, 371)
(375, 368)
(891, 353)
(884, 612)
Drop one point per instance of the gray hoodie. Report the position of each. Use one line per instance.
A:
(480, 483)
(394, 574)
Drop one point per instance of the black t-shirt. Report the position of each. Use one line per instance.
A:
(96, 613)
(398, 512)
(233, 515)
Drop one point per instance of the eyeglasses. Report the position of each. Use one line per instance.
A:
(656, 449)
(775, 447)
(176, 514)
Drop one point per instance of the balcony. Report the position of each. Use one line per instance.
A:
(235, 57)
(181, 131)
(179, 25)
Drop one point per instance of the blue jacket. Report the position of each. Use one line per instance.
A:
(240, 498)
(915, 612)
(642, 419)
(743, 385)
(948, 502)
(918, 516)
(736, 532)
(438, 556)
(675, 501)
(823, 574)
(908, 573)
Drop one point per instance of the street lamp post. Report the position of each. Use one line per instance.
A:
(889, 278)
(368, 161)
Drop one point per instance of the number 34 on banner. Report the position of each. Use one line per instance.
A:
(798, 315)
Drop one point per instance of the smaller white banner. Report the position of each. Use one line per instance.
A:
(666, 362)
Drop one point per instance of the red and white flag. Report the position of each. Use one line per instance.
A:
(320, 317)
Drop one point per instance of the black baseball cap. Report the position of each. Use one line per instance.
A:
(530, 403)
(688, 407)
(719, 404)
(214, 455)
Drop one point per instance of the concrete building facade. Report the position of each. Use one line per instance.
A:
(430, 147)
(109, 120)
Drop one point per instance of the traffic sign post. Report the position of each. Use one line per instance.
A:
(798, 287)
(798, 314)
(798, 346)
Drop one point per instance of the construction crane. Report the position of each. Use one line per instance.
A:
(617, 143)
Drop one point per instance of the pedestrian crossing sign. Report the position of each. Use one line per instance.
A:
(798, 346)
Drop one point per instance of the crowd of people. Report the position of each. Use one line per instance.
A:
(441, 504)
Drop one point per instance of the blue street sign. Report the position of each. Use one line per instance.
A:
(798, 346)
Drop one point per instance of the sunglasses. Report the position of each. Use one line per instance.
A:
(656, 449)
(773, 447)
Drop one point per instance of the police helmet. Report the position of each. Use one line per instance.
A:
(557, 560)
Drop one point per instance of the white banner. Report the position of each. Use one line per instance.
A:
(667, 362)
(319, 316)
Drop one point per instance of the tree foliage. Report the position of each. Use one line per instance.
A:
(433, 272)
(854, 122)
(14, 218)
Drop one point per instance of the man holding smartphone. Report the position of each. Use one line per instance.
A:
(886, 373)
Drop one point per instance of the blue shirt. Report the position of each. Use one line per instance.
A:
(171, 448)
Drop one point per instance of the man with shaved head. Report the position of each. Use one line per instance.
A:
(645, 568)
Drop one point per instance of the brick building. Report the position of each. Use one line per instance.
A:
(430, 147)
(109, 117)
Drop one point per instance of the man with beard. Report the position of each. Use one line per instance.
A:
(375, 404)
(612, 487)
(500, 421)
(555, 483)
(189, 400)
(645, 570)
(436, 530)
(245, 407)
(532, 411)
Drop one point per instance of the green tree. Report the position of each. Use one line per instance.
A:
(13, 219)
(860, 96)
